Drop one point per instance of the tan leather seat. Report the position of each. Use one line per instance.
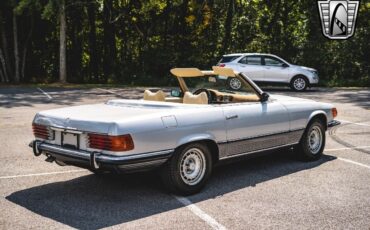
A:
(157, 96)
(190, 98)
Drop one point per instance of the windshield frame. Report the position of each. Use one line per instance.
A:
(242, 77)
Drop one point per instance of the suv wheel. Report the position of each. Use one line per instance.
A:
(299, 83)
(234, 83)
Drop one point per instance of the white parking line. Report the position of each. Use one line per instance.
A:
(46, 94)
(109, 91)
(197, 211)
(354, 162)
(43, 174)
(354, 123)
(347, 148)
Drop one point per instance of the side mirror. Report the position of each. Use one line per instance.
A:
(175, 93)
(284, 65)
(264, 96)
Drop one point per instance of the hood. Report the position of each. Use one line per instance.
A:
(305, 68)
(296, 101)
(287, 98)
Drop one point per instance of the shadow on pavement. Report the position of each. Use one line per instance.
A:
(92, 202)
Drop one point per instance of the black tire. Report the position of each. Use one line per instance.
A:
(299, 83)
(234, 83)
(306, 147)
(173, 173)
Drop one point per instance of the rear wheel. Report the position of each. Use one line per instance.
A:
(299, 83)
(312, 143)
(188, 170)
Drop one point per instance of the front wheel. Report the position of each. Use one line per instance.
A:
(299, 83)
(312, 143)
(188, 170)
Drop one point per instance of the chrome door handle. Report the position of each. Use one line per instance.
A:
(229, 117)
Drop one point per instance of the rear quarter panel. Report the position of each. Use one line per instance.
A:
(193, 124)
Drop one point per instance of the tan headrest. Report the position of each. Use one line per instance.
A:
(190, 98)
(157, 96)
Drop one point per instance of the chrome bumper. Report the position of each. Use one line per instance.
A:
(97, 160)
(333, 123)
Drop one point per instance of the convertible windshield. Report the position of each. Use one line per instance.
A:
(232, 85)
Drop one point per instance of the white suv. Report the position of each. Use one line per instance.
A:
(269, 68)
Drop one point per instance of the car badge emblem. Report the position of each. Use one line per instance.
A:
(338, 18)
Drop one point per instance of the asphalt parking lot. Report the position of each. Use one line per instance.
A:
(275, 191)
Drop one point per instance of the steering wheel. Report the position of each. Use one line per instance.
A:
(209, 95)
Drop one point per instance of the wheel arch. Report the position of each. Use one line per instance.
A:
(321, 115)
(299, 75)
(204, 139)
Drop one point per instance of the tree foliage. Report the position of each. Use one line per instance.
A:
(138, 42)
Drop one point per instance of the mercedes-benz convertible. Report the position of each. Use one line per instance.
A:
(184, 134)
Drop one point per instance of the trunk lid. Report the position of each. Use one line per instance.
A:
(100, 118)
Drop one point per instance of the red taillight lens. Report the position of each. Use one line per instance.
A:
(334, 112)
(111, 143)
(41, 131)
(221, 65)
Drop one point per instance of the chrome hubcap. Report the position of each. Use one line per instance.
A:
(299, 83)
(235, 83)
(315, 140)
(193, 166)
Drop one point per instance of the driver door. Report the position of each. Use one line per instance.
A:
(274, 71)
(252, 67)
(255, 126)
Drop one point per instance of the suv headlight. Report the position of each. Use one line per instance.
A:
(315, 75)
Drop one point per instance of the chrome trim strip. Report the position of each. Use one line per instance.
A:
(64, 151)
(257, 151)
(259, 136)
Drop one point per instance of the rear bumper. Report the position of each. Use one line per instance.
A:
(97, 160)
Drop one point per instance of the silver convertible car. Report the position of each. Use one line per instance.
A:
(200, 125)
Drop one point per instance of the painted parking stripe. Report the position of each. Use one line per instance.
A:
(46, 94)
(44, 174)
(354, 123)
(200, 213)
(109, 91)
(347, 148)
(353, 162)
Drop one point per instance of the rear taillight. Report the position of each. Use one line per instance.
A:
(111, 143)
(42, 131)
(221, 65)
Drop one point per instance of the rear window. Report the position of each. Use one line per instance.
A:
(226, 59)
